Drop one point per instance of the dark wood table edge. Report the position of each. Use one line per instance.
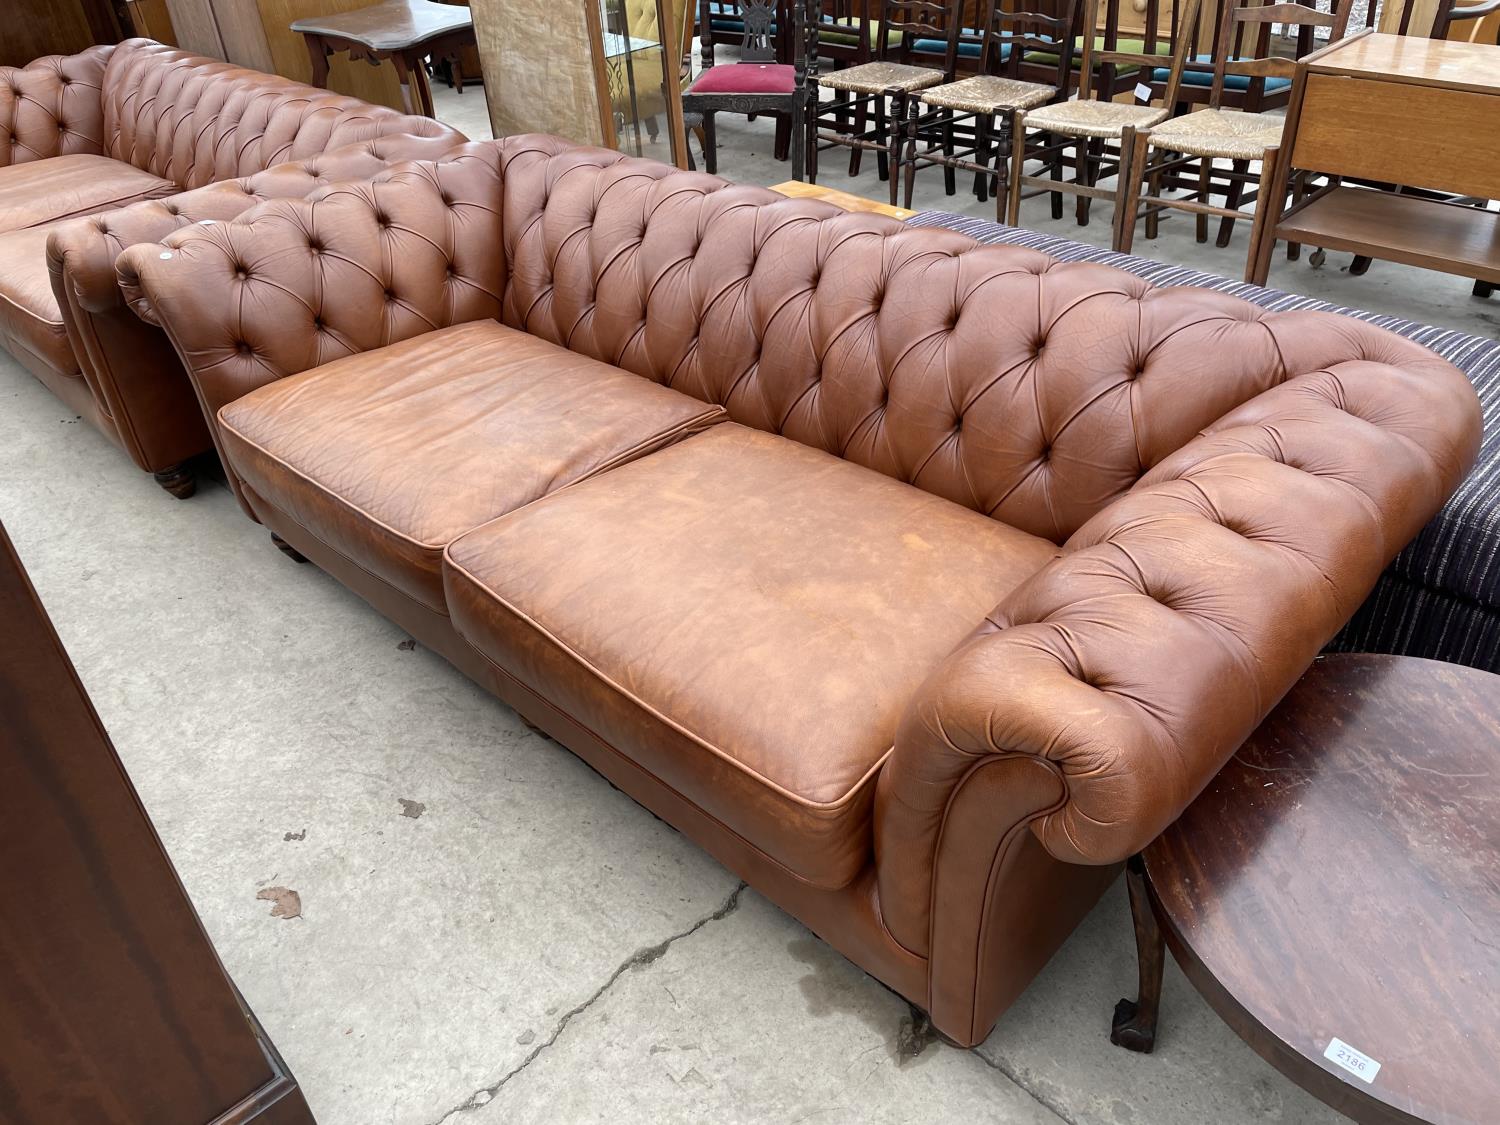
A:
(343, 37)
(280, 1100)
(411, 70)
(1135, 1021)
(1382, 703)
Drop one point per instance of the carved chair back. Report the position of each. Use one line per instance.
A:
(763, 37)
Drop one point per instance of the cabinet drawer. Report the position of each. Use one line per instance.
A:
(1400, 132)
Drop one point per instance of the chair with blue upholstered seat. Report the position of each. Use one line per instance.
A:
(1219, 133)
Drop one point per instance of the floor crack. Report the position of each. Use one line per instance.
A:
(637, 960)
(1015, 1080)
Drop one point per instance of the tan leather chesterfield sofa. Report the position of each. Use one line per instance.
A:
(89, 134)
(920, 582)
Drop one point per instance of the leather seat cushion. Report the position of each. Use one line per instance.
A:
(31, 324)
(62, 187)
(388, 455)
(745, 618)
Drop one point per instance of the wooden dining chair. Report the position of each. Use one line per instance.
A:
(845, 30)
(968, 124)
(759, 82)
(1427, 19)
(879, 95)
(1239, 92)
(1100, 132)
(1220, 134)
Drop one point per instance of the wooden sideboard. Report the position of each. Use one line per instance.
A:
(114, 1008)
(1399, 110)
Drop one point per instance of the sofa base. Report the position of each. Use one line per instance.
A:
(1031, 902)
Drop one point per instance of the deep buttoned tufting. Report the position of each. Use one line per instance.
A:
(90, 135)
(1033, 391)
(53, 107)
(195, 121)
(1193, 495)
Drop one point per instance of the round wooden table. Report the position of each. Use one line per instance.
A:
(1334, 893)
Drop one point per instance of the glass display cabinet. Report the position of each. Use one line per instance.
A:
(639, 48)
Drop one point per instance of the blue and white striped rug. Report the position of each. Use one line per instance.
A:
(1441, 597)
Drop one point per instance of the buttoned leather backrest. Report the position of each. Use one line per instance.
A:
(52, 107)
(196, 120)
(353, 267)
(1028, 389)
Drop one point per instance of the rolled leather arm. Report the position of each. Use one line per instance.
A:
(1138, 661)
(81, 255)
(53, 106)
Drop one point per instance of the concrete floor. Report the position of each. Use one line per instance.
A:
(489, 932)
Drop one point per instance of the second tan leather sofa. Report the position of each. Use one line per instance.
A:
(920, 582)
(93, 133)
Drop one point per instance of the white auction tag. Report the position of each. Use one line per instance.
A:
(1142, 92)
(1357, 1063)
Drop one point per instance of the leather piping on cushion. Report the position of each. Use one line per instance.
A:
(15, 343)
(835, 806)
(896, 974)
(259, 504)
(28, 312)
(855, 928)
(543, 701)
(233, 435)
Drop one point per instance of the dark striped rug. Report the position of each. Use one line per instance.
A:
(1441, 597)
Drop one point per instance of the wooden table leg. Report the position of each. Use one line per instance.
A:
(1134, 1026)
(411, 69)
(317, 52)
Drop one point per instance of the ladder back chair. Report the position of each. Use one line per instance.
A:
(1239, 92)
(1232, 135)
(1090, 123)
(878, 95)
(968, 123)
(1149, 39)
(844, 30)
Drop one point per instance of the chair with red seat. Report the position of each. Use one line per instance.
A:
(758, 83)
